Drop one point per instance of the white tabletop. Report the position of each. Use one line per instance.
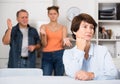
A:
(51, 80)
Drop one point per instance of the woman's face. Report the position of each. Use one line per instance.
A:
(86, 31)
(53, 15)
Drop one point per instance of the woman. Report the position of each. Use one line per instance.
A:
(87, 61)
(53, 38)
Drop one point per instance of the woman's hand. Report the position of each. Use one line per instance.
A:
(81, 43)
(66, 42)
(83, 75)
(42, 31)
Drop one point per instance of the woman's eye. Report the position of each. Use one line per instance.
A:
(84, 26)
(91, 27)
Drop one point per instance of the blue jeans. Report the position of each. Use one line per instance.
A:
(24, 63)
(52, 61)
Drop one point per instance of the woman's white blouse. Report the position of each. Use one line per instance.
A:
(99, 62)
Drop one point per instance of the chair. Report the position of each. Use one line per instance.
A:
(8, 72)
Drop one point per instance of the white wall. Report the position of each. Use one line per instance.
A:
(84, 7)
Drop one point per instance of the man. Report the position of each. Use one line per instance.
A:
(23, 40)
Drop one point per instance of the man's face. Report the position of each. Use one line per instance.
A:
(23, 19)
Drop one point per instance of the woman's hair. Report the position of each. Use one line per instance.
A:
(77, 21)
(53, 8)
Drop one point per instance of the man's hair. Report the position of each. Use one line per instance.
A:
(22, 10)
